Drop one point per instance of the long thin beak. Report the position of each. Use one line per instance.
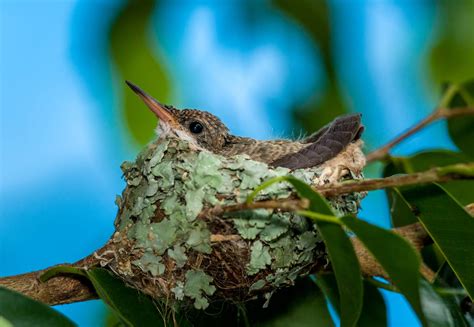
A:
(158, 109)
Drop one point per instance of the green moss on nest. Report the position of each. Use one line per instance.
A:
(164, 247)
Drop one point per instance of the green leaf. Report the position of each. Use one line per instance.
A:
(461, 129)
(19, 310)
(61, 270)
(302, 305)
(133, 307)
(328, 284)
(447, 285)
(400, 212)
(449, 225)
(374, 312)
(460, 189)
(346, 269)
(341, 253)
(436, 310)
(395, 255)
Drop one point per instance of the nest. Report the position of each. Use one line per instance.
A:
(168, 244)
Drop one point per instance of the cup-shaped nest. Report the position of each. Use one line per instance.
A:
(172, 243)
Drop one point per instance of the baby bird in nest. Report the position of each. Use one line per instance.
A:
(204, 130)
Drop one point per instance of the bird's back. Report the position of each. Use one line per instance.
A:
(319, 147)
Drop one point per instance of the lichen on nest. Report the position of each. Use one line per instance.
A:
(165, 248)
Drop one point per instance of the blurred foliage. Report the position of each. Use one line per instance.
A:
(461, 130)
(135, 55)
(314, 16)
(451, 58)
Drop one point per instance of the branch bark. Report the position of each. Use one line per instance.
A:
(415, 234)
(59, 289)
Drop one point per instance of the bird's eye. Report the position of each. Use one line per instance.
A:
(196, 127)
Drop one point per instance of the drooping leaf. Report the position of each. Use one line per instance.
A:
(386, 247)
(400, 213)
(374, 311)
(301, 305)
(341, 253)
(130, 306)
(61, 270)
(346, 268)
(449, 225)
(328, 284)
(19, 310)
(133, 307)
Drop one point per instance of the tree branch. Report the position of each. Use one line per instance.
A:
(59, 289)
(68, 289)
(440, 113)
(415, 234)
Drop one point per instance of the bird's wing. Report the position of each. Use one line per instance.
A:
(326, 143)
(316, 135)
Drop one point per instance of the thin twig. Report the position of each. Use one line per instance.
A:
(217, 238)
(284, 205)
(440, 113)
(435, 175)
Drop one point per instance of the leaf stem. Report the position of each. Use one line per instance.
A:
(319, 217)
(385, 286)
(263, 186)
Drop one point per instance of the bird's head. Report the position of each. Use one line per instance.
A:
(198, 127)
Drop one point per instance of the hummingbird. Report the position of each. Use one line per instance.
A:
(206, 131)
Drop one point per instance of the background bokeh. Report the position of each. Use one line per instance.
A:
(267, 68)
